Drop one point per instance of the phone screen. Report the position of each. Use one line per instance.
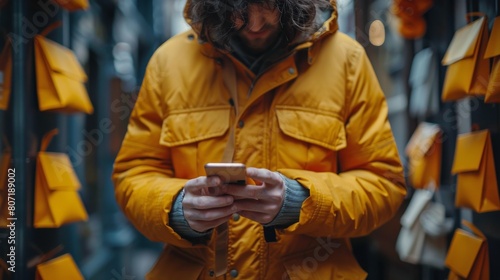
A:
(230, 173)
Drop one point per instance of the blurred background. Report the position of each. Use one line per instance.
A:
(113, 40)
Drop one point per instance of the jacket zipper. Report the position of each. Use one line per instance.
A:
(252, 85)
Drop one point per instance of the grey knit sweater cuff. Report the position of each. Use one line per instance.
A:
(179, 223)
(295, 194)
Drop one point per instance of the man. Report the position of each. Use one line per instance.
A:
(274, 85)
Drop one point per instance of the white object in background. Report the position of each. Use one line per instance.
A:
(424, 100)
(411, 238)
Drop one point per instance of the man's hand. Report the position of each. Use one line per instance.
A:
(205, 205)
(260, 202)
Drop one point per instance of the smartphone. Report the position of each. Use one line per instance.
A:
(230, 173)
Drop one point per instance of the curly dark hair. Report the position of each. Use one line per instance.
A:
(214, 19)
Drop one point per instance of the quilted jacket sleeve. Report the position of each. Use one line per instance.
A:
(369, 188)
(145, 187)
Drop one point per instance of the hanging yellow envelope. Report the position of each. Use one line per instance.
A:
(5, 165)
(57, 201)
(468, 256)
(493, 51)
(63, 267)
(424, 155)
(5, 75)
(474, 165)
(60, 79)
(73, 5)
(468, 71)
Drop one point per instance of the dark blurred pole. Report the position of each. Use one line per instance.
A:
(146, 45)
(472, 6)
(361, 9)
(70, 127)
(19, 95)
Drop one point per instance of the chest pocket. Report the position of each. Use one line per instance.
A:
(195, 137)
(309, 139)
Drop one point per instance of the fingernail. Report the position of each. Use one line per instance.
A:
(210, 182)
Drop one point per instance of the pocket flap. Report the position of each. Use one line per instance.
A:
(464, 42)
(196, 125)
(311, 126)
(333, 259)
(58, 171)
(493, 48)
(173, 262)
(469, 151)
(60, 59)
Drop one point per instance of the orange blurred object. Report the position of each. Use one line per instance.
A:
(412, 6)
(413, 29)
(412, 25)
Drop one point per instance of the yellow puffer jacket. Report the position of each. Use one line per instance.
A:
(318, 116)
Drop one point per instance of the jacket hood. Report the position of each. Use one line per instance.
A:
(326, 24)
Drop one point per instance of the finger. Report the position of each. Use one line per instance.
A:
(256, 206)
(213, 191)
(206, 202)
(264, 175)
(248, 191)
(260, 192)
(202, 183)
(203, 226)
(209, 215)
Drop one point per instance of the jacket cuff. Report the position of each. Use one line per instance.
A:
(181, 226)
(295, 194)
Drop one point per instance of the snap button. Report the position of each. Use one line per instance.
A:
(241, 124)
(236, 217)
(234, 273)
(211, 273)
(291, 70)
